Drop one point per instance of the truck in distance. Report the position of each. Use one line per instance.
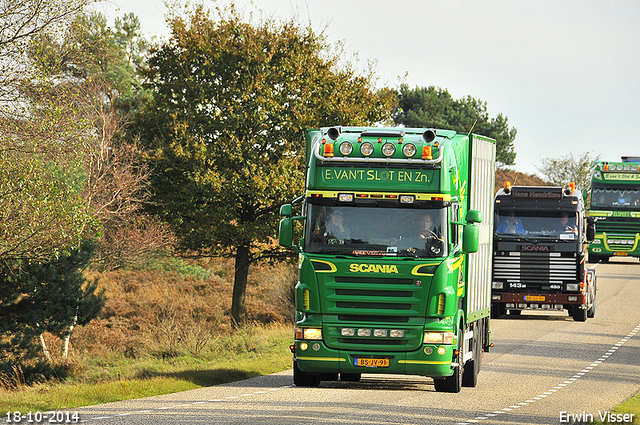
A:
(615, 205)
(540, 242)
(395, 255)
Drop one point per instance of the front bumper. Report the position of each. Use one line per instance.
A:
(539, 299)
(425, 361)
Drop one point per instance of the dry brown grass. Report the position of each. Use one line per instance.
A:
(164, 314)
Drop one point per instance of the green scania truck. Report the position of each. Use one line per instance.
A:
(395, 255)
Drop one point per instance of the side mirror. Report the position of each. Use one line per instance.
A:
(474, 216)
(470, 238)
(591, 229)
(285, 233)
(286, 210)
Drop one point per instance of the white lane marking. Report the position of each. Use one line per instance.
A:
(571, 380)
(215, 400)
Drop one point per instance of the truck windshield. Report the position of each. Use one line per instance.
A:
(556, 224)
(375, 231)
(615, 199)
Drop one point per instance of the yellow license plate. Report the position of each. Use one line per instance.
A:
(620, 254)
(534, 298)
(371, 362)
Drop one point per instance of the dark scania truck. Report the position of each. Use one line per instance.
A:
(539, 242)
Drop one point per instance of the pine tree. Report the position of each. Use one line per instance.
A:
(38, 297)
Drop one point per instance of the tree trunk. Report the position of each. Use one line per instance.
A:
(67, 338)
(238, 309)
(45, 350)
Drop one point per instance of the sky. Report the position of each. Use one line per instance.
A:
(565, 73)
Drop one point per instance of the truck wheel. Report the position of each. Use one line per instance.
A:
(579, 315)
(453, 383)
(472, 367)
(350, 377)
(303, 379)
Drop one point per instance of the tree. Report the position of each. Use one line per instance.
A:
(434, 107)
(44, 296)
(103, 66)
(20, 21)
(62, 172)
(566, 169)
(41, 174)
(224, 133)
(42, 177)
(41, 138)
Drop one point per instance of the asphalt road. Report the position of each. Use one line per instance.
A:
(544, 369)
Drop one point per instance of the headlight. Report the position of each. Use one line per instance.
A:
(573, 286)
(438, 338)
(497, 285)
(409, 150)
(346, 148)
(309, 333)
(366, 149)
(388, 149)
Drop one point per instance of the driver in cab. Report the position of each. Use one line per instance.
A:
(336, 230)
(511, 225)
(429, 233)
(566, 225)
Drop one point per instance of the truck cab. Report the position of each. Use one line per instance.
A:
(540, 241)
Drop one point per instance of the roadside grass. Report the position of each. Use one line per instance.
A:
(165, 328)
(630, 407)
(124, 379)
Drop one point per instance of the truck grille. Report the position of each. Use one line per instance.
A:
(613, 225)
(538, 271)
(373, 296)
(373, 303)
(619, 234)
